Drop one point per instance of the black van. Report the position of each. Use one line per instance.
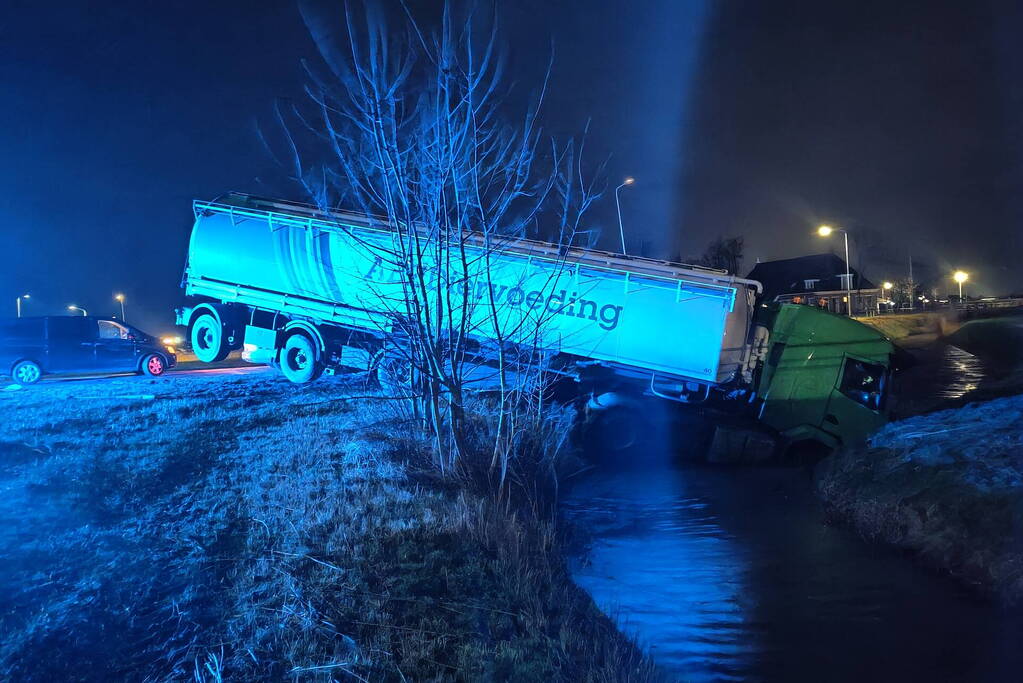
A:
(33, 347)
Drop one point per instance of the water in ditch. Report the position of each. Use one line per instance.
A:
(729, 573)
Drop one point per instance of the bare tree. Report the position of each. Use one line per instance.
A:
(409, 128)
(725, 253)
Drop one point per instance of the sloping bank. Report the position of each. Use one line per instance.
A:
(240, 528)
(914, 329)
(946, 486)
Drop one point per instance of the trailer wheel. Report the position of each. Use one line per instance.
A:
(395, 375)
(208, 340)
(300, 362)
(614, 423)
(617, 429)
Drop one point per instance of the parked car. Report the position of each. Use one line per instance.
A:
(37, 346)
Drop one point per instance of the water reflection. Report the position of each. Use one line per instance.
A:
(959, 373)
(661, 561)
(730, 574)
(945, 376)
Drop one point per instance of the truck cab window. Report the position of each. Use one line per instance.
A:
(864, 383)
(111, 330)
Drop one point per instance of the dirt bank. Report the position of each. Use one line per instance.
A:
(914, 329)
(241, 528)
(947, 487)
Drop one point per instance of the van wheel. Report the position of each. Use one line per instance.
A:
(299, 360)
(26, 372)
(208, 341)
(153, 365)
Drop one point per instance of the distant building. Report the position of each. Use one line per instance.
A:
(817, 280)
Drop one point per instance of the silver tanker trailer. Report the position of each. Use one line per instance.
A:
(312, 292)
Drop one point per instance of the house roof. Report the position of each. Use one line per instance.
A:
(789, 276)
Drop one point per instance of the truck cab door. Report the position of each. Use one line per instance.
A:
(115, 348)
(858, 403)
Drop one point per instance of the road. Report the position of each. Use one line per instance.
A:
(227, 368)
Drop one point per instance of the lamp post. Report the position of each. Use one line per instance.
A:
(887, 292)
(621, 229)
(960, 277)
(825, 231)
(119, 298)
(78, 308)
(17, 302)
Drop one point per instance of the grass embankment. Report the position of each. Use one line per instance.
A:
(996, 339)
(912, 329)
(947, 486)
(239, 527)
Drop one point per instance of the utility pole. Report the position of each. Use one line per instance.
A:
(825, 231)
(618, 203)
(912, 287)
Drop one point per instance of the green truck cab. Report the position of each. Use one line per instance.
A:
(825, 378)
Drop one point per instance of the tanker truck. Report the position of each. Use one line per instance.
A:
(310, 292)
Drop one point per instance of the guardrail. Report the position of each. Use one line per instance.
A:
(982, 304)
(954, 306)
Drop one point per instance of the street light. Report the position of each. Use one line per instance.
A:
(119, 298)
(960, 277)
(17, 302)
(621, 230)
(78, 308)
(887, 289)
(825, 231)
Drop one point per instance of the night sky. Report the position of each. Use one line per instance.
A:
(899, 120)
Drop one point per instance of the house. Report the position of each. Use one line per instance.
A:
(817, 280)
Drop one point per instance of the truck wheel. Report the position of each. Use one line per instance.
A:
(616, 429)
(208, 343)
(26, 372)
(395, 376)
(614, 423)
(299, 361)
(153, 365)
